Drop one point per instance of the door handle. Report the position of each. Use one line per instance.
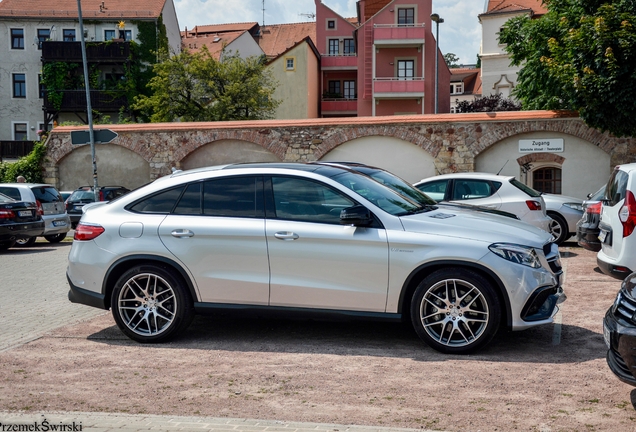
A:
(286, 235)
(182, 233)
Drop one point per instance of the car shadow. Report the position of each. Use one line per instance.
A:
(536, 345)
(37, 247)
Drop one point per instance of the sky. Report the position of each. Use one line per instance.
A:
(460, 33)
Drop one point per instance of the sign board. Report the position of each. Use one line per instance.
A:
(101, 136)
(552, 145)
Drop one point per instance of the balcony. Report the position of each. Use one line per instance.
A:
(339, 62)
(398, 87)
(339, 106)
(15, 149)
(75, 100)
(402, 35)
(96, 52)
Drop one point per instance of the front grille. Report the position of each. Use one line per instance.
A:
(625, 307)
(551, 252)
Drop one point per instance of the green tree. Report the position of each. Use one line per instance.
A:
(29, 166)
(451, 60)
(197, 87)
(580, 55)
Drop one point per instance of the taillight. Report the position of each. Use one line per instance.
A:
(595, 208)
(627, 214)
(39, 210)
(533, 205)
(6, 214)
(87, 232)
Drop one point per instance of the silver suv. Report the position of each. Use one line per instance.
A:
(314, 239)
(50, 205)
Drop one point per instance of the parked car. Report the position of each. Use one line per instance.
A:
(553, 213)
(18, 220)
(408, 190)
(84, 195)
(49, 204)
(617, 256)
(587, 230)
(316, 239)
(619, 332)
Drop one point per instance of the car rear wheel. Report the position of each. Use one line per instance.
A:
(151, 304)
(558, 228)
(455, 311)
(7, 244)
(25, 242)
(55, 238)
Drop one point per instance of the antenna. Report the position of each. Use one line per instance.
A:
(502, 167)
(309, 15)
(263, 13)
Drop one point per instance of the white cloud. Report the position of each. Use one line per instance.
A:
(460, 33)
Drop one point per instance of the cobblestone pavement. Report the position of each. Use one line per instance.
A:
(125, 422)
(33, 293)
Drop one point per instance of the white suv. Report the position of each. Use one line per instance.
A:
(617, 256)
(50, 205)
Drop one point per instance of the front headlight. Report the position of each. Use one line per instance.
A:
(516, 253)
(574, 206)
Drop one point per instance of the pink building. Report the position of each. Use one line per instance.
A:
(383, 63)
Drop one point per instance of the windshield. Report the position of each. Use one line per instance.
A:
(400, 186)
(381, 196)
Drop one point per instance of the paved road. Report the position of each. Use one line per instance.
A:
(33, 293)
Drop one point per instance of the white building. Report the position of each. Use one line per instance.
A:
(37, 32)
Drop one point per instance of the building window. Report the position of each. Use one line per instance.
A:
(331, 24)
(406, 69)
(125, 35)
(17, 39)
(19, 85)
(40, 86)
(349, 47)
(334, 89)
(406, 16)
(457, 88)
(43, 34)
(350, 89)
(20, 132)
(290, 63)
(68, 35)
(109, 35)
(334, 46)
(547, 180)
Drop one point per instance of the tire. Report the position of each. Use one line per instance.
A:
(7, 244)
(455, 311)
(151, 304)
(25, 242)
(558, 228)
(55, 238)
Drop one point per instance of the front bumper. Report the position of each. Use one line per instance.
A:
(620, 336)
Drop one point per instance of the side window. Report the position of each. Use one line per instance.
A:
(11, 192)
(190, 202)
(233, 197)
(472, 189)
(435, 190)
(308, 201)
(616, 187)
(160, 203)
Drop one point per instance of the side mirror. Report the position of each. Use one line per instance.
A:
(356, 215)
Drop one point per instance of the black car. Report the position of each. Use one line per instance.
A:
(84, 195)
(18, 220)
(587, 229)
(619, 332)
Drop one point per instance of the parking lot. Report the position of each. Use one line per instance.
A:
(57, 356)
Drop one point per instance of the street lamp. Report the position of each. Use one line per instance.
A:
(435, 17)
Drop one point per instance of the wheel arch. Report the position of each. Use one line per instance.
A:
(554, 212)
(124, 264)
(416, 276)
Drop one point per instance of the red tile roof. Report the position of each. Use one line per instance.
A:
(220, 28)
(372, 7)
(61, 9)
(499, 6)
(278, 38)
(215, 42)
(471, 77)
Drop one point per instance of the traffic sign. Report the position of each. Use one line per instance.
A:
(101, 136)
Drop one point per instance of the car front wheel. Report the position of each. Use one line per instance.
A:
(151, 304)
(455, 311)
(25, 242)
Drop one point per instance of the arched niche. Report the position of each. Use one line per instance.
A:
(226, 152)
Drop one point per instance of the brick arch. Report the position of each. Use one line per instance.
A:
(540, 157)
(404, 133)
(499, 131)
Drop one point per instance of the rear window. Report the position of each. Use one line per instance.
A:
(528, 190)
(11, 192)
(46, 194)
(616, 187)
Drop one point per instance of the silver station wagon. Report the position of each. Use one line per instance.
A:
(314, 239)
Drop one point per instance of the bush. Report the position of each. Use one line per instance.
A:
(29, 166)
